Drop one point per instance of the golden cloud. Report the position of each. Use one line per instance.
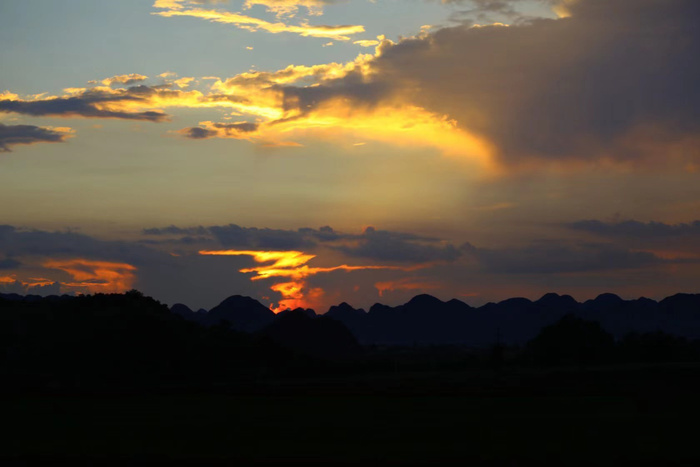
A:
(177, 8)
(131, 78)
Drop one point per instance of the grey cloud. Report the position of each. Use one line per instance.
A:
(233, 235)
(15, 242)
(394, 246)
(324, 234)
(553, 257)
(483, 10)
(88, 104)
(9, 263)
(11, 135)
(636, 229)
(243, 127)
(228, 129)
(173, 230)
(356, 89)
(372, 243)
(546, 88)
(196, 132)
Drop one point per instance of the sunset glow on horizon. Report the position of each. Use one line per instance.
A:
(292, 265)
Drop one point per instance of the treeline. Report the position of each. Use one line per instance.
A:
(121, 341)
(575, 341)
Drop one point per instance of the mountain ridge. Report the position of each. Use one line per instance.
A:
(427, 320)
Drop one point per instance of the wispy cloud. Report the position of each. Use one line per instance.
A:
(171, 8)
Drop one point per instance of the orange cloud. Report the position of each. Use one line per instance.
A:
(405, 284)
(27, 284)
(38, 282)
(7, 279)
(292, 266)
(95, 276)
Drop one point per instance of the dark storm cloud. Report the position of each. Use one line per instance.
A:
(11, 135)
(598, 84)
(94, 103)
(634, 229)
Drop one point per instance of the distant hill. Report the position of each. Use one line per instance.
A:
(426, 320)
(242, 313)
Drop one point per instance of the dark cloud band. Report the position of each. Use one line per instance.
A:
(11, 135)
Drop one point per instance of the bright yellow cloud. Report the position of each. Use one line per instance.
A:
(124, 79)
(341, 33)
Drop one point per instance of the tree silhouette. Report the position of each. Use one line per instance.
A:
(572, 340)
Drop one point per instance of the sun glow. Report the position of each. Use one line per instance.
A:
(292, 266)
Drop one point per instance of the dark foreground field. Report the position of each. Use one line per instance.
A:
(631, 415)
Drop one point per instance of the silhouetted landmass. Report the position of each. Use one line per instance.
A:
(572, 340)
(121, 379)
(319, 337)
(128, 339)
(121, 341)
(243, 314)
(426, 320)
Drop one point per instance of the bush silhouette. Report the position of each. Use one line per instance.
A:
(572, 340)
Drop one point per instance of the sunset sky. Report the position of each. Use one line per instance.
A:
(309, 152)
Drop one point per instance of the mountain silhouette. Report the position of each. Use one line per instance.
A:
(241, 313)
(427, 320)
(308, 312)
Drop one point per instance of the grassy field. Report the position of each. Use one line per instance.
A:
(611, 417)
